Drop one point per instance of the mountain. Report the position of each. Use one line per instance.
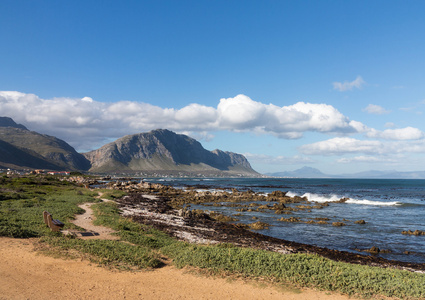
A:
(307, 172)
(164, 150)
(8, 122)
(16, 158)
(392, 174)
(304, 172)
(22, 148)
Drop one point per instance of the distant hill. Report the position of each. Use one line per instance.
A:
(22, 148)
(308, 172)
(164, 150)
(304, 172)
(392, 174)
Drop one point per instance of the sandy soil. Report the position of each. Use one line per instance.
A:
(86, 221)
(26, 274)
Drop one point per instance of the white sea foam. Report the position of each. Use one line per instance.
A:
(370, 202)
(321, 198)
(291, 194)
(334, 198)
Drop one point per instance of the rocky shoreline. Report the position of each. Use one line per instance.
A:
(166, 209)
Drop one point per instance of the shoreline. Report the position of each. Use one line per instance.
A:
(157, 212)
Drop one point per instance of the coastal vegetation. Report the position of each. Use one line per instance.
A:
(23, 199)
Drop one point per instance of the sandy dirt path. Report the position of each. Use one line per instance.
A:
(85, 221)
(25, 274)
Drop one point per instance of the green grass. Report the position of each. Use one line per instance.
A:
(107, 214)
(111, 194)
(109, 253)
(24, 199)
(301, 269)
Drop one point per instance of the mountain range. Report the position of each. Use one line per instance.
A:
(308, 172)
(158, 150)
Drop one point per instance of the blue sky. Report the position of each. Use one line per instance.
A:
(335, 85)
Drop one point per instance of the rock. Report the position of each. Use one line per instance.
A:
(322, 222)
(374, 250)
(343, 200)
(360, 222)
(291, 219)
(416, 232)
(278, 206)
(277, 194)
(322, 219)
(338, 224)
(259, 225)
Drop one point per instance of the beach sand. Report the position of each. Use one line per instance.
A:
(27, 274)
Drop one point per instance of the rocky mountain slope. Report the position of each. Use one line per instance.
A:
(22, 148)
(166, 151)
(159, 150)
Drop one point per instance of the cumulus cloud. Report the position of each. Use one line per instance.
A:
(357, 83)
(376, 110)
(342, 145)
(408, 133)
(367, 159)
(278, 160)
(88, 99)
(345, 145)
(242, 113)
(86, 123)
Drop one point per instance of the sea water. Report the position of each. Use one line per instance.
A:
(389, 206)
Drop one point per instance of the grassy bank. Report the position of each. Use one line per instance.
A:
(22, 201)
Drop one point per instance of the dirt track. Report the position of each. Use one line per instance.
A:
(25, 274)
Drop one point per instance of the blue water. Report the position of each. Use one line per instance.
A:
(388, 206)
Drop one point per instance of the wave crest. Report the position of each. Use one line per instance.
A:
(335, 198)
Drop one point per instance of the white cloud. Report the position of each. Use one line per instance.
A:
(244, 114)
(88, 99)
(86, 123)
(340, 146)
(408, 133)
(357, 83)
(278, 160)
(376, 110)
(389, 125)
(197, 114)
(344, 145)
(367, 159)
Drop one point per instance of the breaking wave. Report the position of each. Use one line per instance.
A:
(334, 198)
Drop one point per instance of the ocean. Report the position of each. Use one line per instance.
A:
(388, 206)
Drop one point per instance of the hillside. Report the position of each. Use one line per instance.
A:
(160, 151)
(304, 172)
(22, 148)
(164, 150)
(15, 158)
